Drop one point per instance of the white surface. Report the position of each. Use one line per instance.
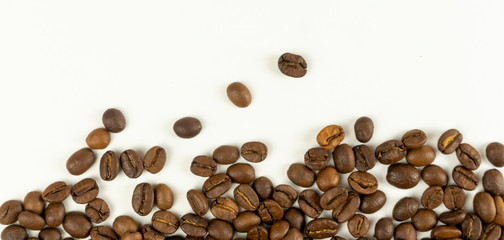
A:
(432, 65)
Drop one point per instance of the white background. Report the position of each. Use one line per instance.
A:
(432, 65)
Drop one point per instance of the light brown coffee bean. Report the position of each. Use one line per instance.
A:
(330, 136)
(239, 94)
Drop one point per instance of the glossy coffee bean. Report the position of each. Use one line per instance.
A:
(155, 159)
(241, 173)
(402, 175)
(285, 195)
(449, 141)
(142, 199)
(330, 136)
(224, 209)
(292, 65)
(165, 222)
(203, 166)
(373, 202)
(97, 210)
(495, 154)
(424, 220)
(421, 156)
(31, 220)
(56, 192)
(468, 156)
(98, 138)
(414, 138)
(33, 202)
(484, 207)
(270, 211)
(405, 208)
(358, 225)
(113, 120)
(220, 229)
(125, 224)
(364, 129)
(295, 217)
(327, 178)
(258, 232)
(454, 197)
(309, 203)
(197, 201)
(490, 231)
(163, 196)
(49, 234)
(384, 229)
(433, 175)
(279, 230)
(344, 158)
(465, 178)
(226, 154)
(321, 228)
(471, 227)
(499, 210)
(316, 158)
(216, 185)
(254, 151)
(84, 191)
(9, 211)
(390, 152)
(131, 163)
(80, 161)
(246, 197)
(263, 187)
(77, 224)
(445, 232)
(493, 182)
(453, 218)
(54, 214)
(245, 221)
(363, 182)
(333, 197)
(103, 233)
(14, 232)
(239, 94)
(187, 127)
(364, 158)
(300, 175)
(405, 231)
(347, 209)
(110, 165)
(432, 197)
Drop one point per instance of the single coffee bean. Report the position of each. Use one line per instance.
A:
(31, 220)
(9, 211)
(499, 210)
(246, 221)
(364, 158)
(292, 65)
(495, 154)
(414, 138)
(433, 175)
(465, 178)
(295, 217)
(332, 238)
(424, 220)
(254, 151)
(344, 158)
(347, 210)
(316, 158)
(197, 201)
(270, 211)
(56, 192)
(454, 197)
(132, 236)
(155, 159)
(263, 187)
(97, 210)
(493, 182)
(300, 175)
(384, 229)
(405, 231)
(327, 178)
(113, 120)
(445, 232)
(403, 175)
(165, 222)
(321, 228)
(84, 191)
(49, 234)
(224, 209)
(449, 141)
(98, 138)
(453, 218)
(484, 206)
(390, 152)
(131, 163)
(203, 166)
(109, 166)
(246, 197)
(125, 224)
(80, 161)
(285, 195)
(216, 185)
(220, 229)
(330, 136)
(34, 203)
(258, 232)
(432, 197)
(54, 214)
(364, 129)
(468, 156)
(333, 197)
(239, 94)
(163, 196)
(226, 154)
(77, 225)
(405, 208)
(241, 173)
(421, 156)
(490, 231)
(358, 225)
(363, 182)
(373, 202)
(103, 233)
(149, 233)
(142, 200)
(14, 232)
(279, 230)
(309, 202)
(471, 227)
(187, 127)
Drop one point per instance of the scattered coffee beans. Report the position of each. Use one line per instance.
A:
(292, 65)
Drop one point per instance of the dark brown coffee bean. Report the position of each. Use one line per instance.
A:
(187, 127)
(164, 196)
(279, 229)
(197, 201)
(54, 214)
(9, 211)
(495, 154)
(254, 151)
(484, 206)
(344, 158)
(364, 158)
(309, 202)
(358, 225)
(300, 175)
(465, 178)
(330, 136)
(468, 156)
(327, 178)
(49, 234)
(239, 94)
(384, 229)
(224, 209)
(56, 192)
(80, 161)
(332, 238)
(216, 185)
(285, 195)
(333, 197)
(155, 159)
(491, 231)
(203, 166)
(414, 138)
(149, 233)
(31, 220)
(125, 224)
(109, 166)
(132, 236)
(84, 191)
(364, 129)
(405, 231)
(421, 156)
(316, 158)
(165, 222)
(424, 220)
(103, 233)
(246, 197)
(14, 232)
(226, 154)
(373, 202)
(403, 175)
(363, 182)
(321, 228)
(98, 138)
(293, 234)
(493, 182)
(113, 120)
(77, 225)
(258, 233)
(453, 218)
(445, 232)
(34, 203)
(97, 210)
(142, 200)
(292, 65)
(347, 210)
(499, 210)
(449, 141)
(245, 221)
(220, 229)
(263, 187)
(454, 197)
(295, 217)
(432, 197)
(433, 175)
(270, 211)
(241, 173)
(471, 227)
(405, 208)
(390, 152)
(131, 163)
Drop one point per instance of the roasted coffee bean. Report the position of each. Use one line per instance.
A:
(132, 236)
(445, 232)
(49, 234)
(424, 220)
(300, 175)
(364, 158)
(316, 158)
(321, 228)
(149, 233)
(31, 220)
(270, 211)
(330, 136)
(358, 225)
(333, 197)
(292, 65)
(405, 231)
(495, 154)
(295, 217)
(347, 210)
(80, 161)
(197, 201)
(34, 203)
(294, 234)
(246, 197)
(9, 211)
(239, 94)
(245, 221)
(279, 229)
(414, 138)
(103, 233)
(465, 178)
(484, 206)
(203, 166)
(363, 182)
(421, 156)
(344, 158)
(471, 227)
(165, 222)
(403, 176)
(54, 214)
(220, 229)
(77, 225)
(453, 218)
(241, 173)
(187, 127)
(332, 238)
(113, 120)
(405, 208)
(433, 175)
(56, 192)
(98, 138)
(131, 163)
(490, 231)
(254, 151)
(84, 191)
(454, 197)
(109, 166)
(499, 210)
(364, 129)
(432, 197)
(224, 209)
(327, 178)
(14, 232)
(216, 185)
(125, 224)
(226, 154)
(373, 202)
(97, 210)
(384, 229)
(449, 141)
(163, 196)
(263, 187)
(285, 195)
(468, 156)
(155, 159)
(390, 152)
(258, 233)
(493, 182)
(142, 200)
(309, 202)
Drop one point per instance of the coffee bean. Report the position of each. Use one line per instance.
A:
(165, 222)
(294, 234)
(390, 152)
(80, 161)
(285, 195)
(239, 94)
(241, 173)
(203, 166)
(31, 220)
(316, 158)
(263, 187)
(84, 191)
(187, 127)
(421, 156)
(454, 197)
(363, 182)
(364, 158)
(405, 208)
(14, 232)
(344, 158)
(364, 128)
(347, 209)
(493, 182)
(216, 185)
(246, 197)
(330, 136)
(245, 221)
(405, 231)
(258, 233)
(433, 175)
(197, 201)
(132, 236)
(131, 163)
(113, 120)
(149, 233)
(34, 203)
(358, 225)
(465, 178)
(414, 138)
(103, 233)
(163, 196)
(292, 65)
(254, 151)
(445, 232)
(49, 234)
(97, 210)
(449, 141)
(384, 229)
(295, 217)
(495, 154)
(226, 154)
(224, 209)
(98, 138)
(453, 218)
(54, 214)
(142, 200)
(109, 166)
(270, 211)
(327, 178)
(333, 198)
(300, 175)
(432, 197)
(332, 238)
(56, 192)
(468, 156)
(424, 220)
(9, 211)
(220, 229)
(403, 175)
(499, 210)
(484, 206)
(491, 231)
(309, 202)
(279, 229)
(155, 159)
(471, 227)
(373, 202)
(125, 224)
(321, 228)
(77, 225)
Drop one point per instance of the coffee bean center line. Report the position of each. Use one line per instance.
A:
(291, 199)
(106, 236)
(220, 205)
(323, 231)
(335, 198)
(390, 150)
(449, 140)
(202, 166)
(193, 223)
(165, 222)
(130, 159)
(109, 165)
(359, 225)
(363, 183)
(245, 198)
(214, 185)
(309, 204)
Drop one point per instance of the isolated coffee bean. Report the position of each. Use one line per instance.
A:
(364, 129)
(445, 232)
(468, 156)
(246, 197)
(203, 166)
(216, 185)
(499, 210)
(405, 208)
(279, 229)
(495, 154)
(113, 120)
(109, 166)
(347, 209)
(239, 94)
(295, 217)
(402, 175)
(98, 138)
(226, 154)
(333, 197)
(241, 173)
(344, 158)
(224, 209)
(493, 182)
(142, 200)
(449, 141)
(31, 220)
(124, 224)
(453, 218)
(80, 161)
(9, 211)
(49, 234)
(163, 196)
(285, 195)
(454, 197)
(363, 182)
(390, 152)
(270, 211)
(56, 192)
(405, 230)
(219, 229)
(471, 227)
(490, 231)
(103, 233)
(131, 163)
(321, 228)
(292, 65)
(327, 178)
(254, 151)
(258, 232)
(384, 229)
(484, 206)
(187, 127)
(309, 203)
(421, 156)
(263, 187)
(14, 232)
(364, 158)
(433, 175)
(424, 220)
(155, 159)
(197, 201)
(465, 178)
(432, 197)
(373, 202)
(414, 138)
(300, 175)
(165, 222)
(97, 210)
(330, 136)
(245, 221)
(77, 225)
(84, 191)
(358, 225)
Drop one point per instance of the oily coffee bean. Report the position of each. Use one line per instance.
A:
(292, 65)
(226, 154)
(187, 127)
(84, 191)
(80, 161)
(97, 210)
(295, 217)
(239, 94)
(421, 156)
(125, 224)
(468, 156)
(405, 208)
(31, 220)
(309, 203)
(103, 233)
(224, 209)
(300, 175)
(373, 202)
(216, 185)
(142, 200)
(490, 231)
(432, 197)
(246, 197)
(424, 220)
(364, 158)
(270, 211)
(263, 187)
(98, 138)
(347, 209)
(493, 182)
(390, 152)
(254, 151)
(321, 228)
(484, 206)
(445, 232)
(495, 154)
(155, 159)
(364, 129)
(449, 141)
(241, 173)
(245, 221)
(109, 166)
(316, 158)
(279, 229)
(453, 218)
(258, 232)
(197, 201)
(56, 192)
(384, 229)
(433, 175)
(77, 225)
(327, 178)
(333, 197)
(499, 210)
(113, 120)
(49, 234)
(405, 231)
(54, 214)
(471, 227)
(403, 175)
(358, 225)
(344, 158)
(454, 197)
(163, 196)
(203, 166)
(165, 222)
(363, 182)
(465, 178)
(220, 229)
(34, 203)
(294, 234)
(149, 233)
(9, 211)
(285, 195)
(14, 232)
(330, 136)
(131, 163)
(414, 138)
